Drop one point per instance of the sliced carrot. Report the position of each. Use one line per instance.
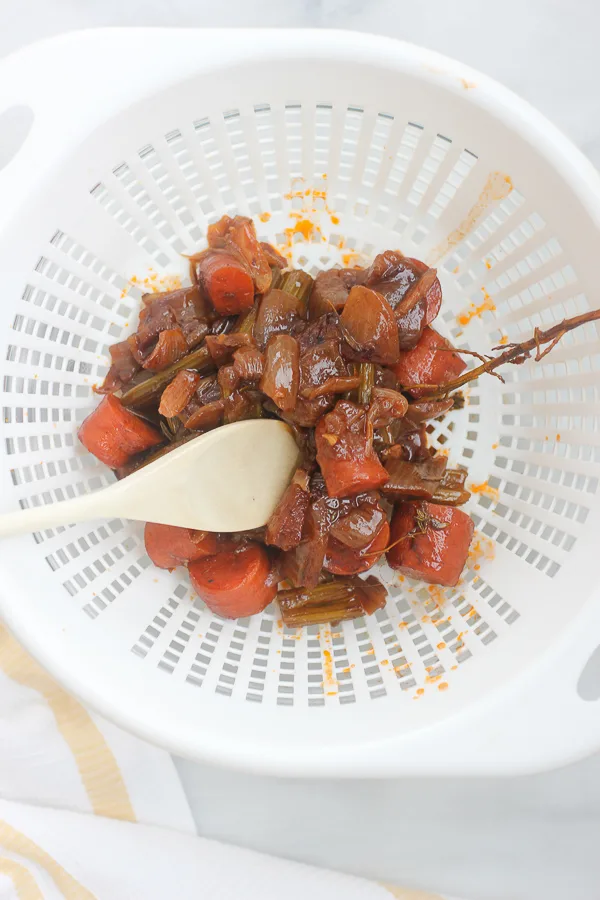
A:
(345, 452)
(432, 361)
(234, 584)
(169, 546)
(113, 433)
(430, 542)
(342, 560)
(227, 282)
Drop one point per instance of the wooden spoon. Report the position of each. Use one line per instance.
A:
(229, 479)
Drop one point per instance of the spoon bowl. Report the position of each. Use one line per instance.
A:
(229, 479)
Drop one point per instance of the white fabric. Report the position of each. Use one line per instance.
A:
(94, 796)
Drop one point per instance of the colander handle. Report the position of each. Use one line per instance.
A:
(538, 722)
(72, 84)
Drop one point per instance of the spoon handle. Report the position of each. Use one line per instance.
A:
(97, 505)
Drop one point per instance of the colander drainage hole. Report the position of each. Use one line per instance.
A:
(588, 686)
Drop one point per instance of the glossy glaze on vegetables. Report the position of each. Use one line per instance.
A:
(346, 359)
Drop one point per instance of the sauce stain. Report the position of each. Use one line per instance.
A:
(497, 187)
(485, 489)
(475, 310)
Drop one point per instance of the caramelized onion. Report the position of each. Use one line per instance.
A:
(249, 363)
(369, 324)
(358, 527)
(414, 480)
(178, 393)
(170, 347)
(277, 313)
(284, 528)
(386, 405)
(282, 371)
(206, 417)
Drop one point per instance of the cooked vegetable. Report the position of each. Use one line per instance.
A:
(240, 236)
(284, 528)
(451, 489)
(206, 417)
(345, 452)
(331, 289)
(227, 281)
(170, 347)
(432, 362)
(335, 385)
(281, 374)
(149, 391)
(386, 405)
(359, 526)
(113, 433)
(278, 312)
(334, 601)
(249, 363)
(169, 546)
(123, 367)
(178, 393)
(369, 325)
(430, 542)
(423, 410)
(184, 308)
(222, 347)
(299, 284)
(414, 479)
(393, 275)
(351, 363)
(367, 383)
(236, 583)
(273, 257)
(342, 560)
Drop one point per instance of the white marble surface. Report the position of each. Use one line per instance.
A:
(529, 838)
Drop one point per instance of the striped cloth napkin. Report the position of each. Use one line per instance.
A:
(89, 812)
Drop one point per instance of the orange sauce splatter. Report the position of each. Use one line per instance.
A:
(558, 437)
(503, 340)
(482, 548)
(494, 446)
(455, 270)
(431, 679)
(443, 686)
(488, 264)
(328, 676)
(334, 220)
(265, 216)
(474, 310)
(384, 662)
(486, 490)
(402, 624)
(154, 283)
(351, 259)
(437, 594)
(420, 691)
(441, 645)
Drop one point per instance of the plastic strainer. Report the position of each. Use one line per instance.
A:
(339, 145)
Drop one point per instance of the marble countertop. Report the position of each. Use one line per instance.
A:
(527, 838)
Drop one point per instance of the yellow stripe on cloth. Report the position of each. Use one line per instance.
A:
(20, 844)
(23, 881)
(408, 894)
(97, 765)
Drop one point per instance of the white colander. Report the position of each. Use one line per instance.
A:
(139, 139)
